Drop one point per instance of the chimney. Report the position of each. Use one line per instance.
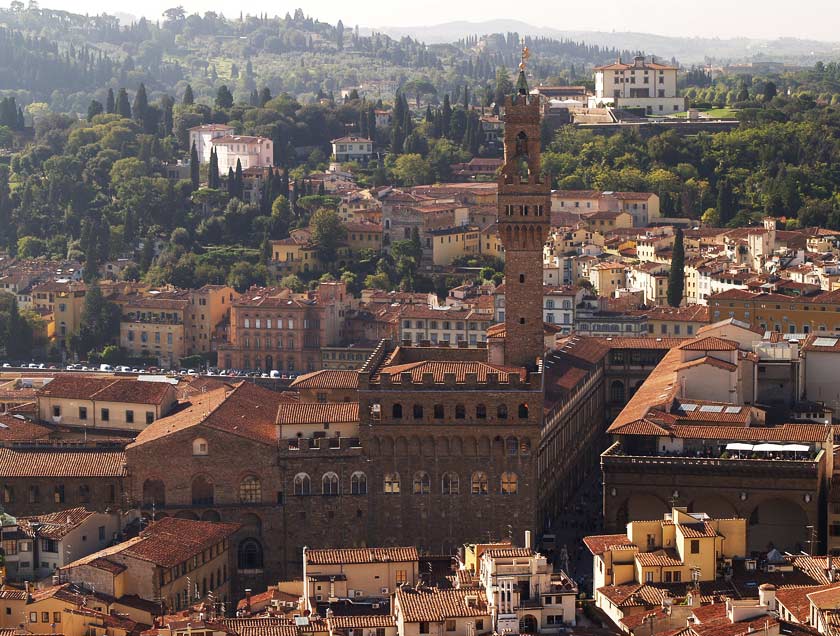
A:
(527, 538)
(767, 596)
(248, 600)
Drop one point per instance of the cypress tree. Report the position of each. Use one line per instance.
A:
(676, 277)
(194, 175)
(239, 181)
(213, 180)
(725, 202)
(188, 98)
(94, 109)
(110, 103)
(141, 104)
(446, 116)
(231, 183)
(123, 107)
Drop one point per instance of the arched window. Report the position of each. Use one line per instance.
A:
(391, 485)
(617, 392)
(154, 493)
(460, 412)
(510, 483)
(501, 411)
(439, 411)
(8, 494)
(396, 411)
(525, 446)
(523, 411)
(250, 490)
(202, 491)
(200, 446)
(417, 410)
(512, 446)
(329, 484)
(478, 485)
(358, 483)
(480, 412)
(250, 556)
(302, 485)
(422, 483)
(450, 484)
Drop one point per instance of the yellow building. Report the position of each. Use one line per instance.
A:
(124, 404)
(605, 220)
(778, 312)
(679, 548)
(451, 243)
(297, 254)
(607, 277)
(363, 235)
(209, 306)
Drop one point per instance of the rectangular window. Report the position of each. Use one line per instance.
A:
(402, 577)
(648, 577)
(150, 417)
(424, 627)
(82, 412)
(105, 415)
(56, 411)
(56, 617)
(450, 624)
(33, 617)
(129, 417)
(45, 617)
(695, 546)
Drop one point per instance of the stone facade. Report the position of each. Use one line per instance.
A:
(524, 205)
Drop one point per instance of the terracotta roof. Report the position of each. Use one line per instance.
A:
(658, 390)
(436, 605)
(439, 368)
(261, 626)
(828, 598)
(665, 558)
(247, 411)
(370, 621)
(317, 412)
(61, 462)
(708, 360)
(107, 565)
(106, 389)
(795, 599)
(698, 530)
(632, 595)
(55, 525)
(14, 429)
(509, 553)
(345, 556)
(166, 543)
(327, 379)
(709, 343)
(600, 543)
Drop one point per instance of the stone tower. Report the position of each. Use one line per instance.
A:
(523, 217)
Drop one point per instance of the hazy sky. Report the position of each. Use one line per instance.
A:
(816, 19)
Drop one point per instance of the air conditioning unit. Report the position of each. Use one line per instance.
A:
(384, 590)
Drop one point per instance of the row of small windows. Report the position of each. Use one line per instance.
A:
(421, 484)
(439, 411)
(523, 210)
(57, 494)
(105, 414)
(267, 323)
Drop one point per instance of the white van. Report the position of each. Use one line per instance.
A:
(106, 367)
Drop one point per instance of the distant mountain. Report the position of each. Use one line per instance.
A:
(686, 50)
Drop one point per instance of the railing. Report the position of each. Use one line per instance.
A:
(302, 444)
(614, 457)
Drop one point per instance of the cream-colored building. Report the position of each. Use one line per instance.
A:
(351, 573)
(201, 136)
(437, 612)
(639, 85)
(248, 151)
(125, 404)
(524, 594)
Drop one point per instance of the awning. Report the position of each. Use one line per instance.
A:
(768, 448)
(797, 448)
(739, 446)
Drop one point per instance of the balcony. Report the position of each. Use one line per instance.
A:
(303, 444)
(614, 458)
